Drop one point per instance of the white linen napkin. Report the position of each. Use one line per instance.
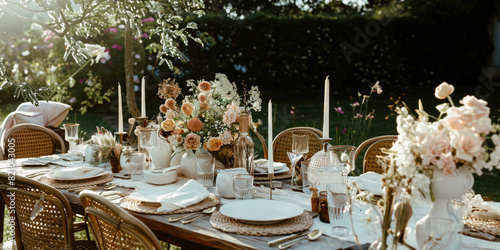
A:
(75, 172)
(189, 194)
(369, 181)
(262, 166)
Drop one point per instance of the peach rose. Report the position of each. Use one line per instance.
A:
(229, 117)
(163, 108)
(170, 103)
(227, 137)
(194, 124)
(175, 140)
(214, 144)
(478, 105)
(444, 90)
(187, 108)
(192, 141)
(205, 86)
(202, 97)
(177, 131)
(168, 125)
(467, 145)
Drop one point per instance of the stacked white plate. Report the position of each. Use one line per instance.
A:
(261, 211)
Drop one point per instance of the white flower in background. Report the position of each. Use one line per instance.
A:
(25, 53)
(97, 51)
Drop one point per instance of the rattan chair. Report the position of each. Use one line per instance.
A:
(282, 143)
(262, 141)
(31, 140)
(115, 228)
(374, 148)
(52, 228)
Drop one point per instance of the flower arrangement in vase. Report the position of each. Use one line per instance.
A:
(437, 158)
(108, 150)
(207, 117)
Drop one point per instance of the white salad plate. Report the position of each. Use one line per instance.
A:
(261, 211)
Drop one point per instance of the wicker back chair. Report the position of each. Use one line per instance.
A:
(282, 143)
(115, 228)
(262, 142)
(52, 228)
(32, 140)
(375, 146)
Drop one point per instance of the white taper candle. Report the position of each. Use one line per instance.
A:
(120, 111)
(143, 97)
(326, 110)
(270, 138)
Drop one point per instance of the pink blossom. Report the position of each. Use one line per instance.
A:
(358, 115)
(151, 19)
(339, 110)
(467, 145)
(51, 45)
(344, 131)
(145, 35)
(478, 106)
(292, 112)
(72, 100)
(226, 137)
(355, 104)
(447, 164)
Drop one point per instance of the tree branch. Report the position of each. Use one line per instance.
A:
(28, 9)
(57, 33)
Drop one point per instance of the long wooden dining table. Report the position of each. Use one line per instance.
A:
(198, 234)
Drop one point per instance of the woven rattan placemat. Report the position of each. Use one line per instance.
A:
(77, 183)
(230, 225)
(285, 175)
(483, 225)
(148, 208)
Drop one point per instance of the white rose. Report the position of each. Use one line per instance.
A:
(467, 145)
(229, 117)
(443, 90)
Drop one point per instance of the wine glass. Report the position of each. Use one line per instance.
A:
(71, 136)
(300, 147)
(147, 140)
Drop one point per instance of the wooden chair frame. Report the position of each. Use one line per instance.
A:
(31, 140)
(52, 227)
(374, 146)
(113, 227)
(282, 143)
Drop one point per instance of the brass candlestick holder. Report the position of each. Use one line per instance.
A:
(120, 136)
(271, 177)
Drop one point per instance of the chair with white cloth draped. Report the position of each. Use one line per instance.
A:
(115, 228)
(31, 140)
(374, 148)
(48, 227)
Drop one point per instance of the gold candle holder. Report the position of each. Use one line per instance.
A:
(271, 177)
(142, 121)
(120, 136)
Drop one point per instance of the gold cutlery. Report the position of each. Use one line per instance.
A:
(205, 212)
(288, 238)
(310, 236)
(178, 218)
(32, 175)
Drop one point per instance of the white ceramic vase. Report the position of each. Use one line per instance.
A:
(125, 164)
(188, 164)
(444, 187)
(161, 154)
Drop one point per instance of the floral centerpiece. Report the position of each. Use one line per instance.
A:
(459, 141)
(107, 149)
(207, 117)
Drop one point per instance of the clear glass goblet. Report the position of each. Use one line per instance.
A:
(148, 140)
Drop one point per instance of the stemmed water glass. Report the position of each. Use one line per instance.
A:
(148, 140)
(300, 147)
(71, 136)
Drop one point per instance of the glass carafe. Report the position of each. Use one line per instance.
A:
(244, 146)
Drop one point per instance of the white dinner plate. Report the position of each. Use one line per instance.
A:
(283, 170)
(150, 195)
(262, 163)
(98, 172)
(261, 211)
